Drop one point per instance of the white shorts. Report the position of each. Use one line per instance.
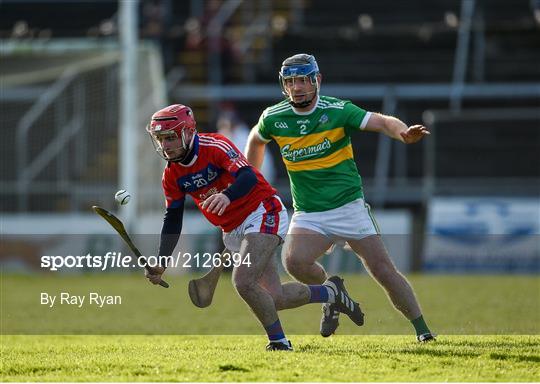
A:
(350, 221)
(269, 217)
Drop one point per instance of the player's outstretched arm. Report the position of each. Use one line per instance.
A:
(414, 133)
(255, 148)
(395, 128)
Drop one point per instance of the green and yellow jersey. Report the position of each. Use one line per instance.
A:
(317, 152)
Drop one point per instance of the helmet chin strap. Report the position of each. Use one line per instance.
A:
(304, 103)
(187, 148)
(179, 159)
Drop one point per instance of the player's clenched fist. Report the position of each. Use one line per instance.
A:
(154, 275)
(216, 203)
(414, 133)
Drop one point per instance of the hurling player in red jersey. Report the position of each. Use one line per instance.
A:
(234, 196)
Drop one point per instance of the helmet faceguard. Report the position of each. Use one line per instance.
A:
(173, 130)
(300, 67)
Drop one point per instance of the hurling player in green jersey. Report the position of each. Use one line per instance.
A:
(313, 134)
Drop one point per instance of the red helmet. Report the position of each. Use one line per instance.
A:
(172, 130)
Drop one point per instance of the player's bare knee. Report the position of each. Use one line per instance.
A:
(243, 283)
(294, 266)
(383, 270)
(243, 288)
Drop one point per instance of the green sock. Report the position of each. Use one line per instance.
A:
(420, 326)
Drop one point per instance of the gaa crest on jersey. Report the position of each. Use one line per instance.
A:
(270, 221)
(212, 175)
(281, 125)
(324, 119)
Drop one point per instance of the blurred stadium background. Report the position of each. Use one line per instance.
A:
(80, 80)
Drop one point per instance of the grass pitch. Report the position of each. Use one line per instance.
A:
(242, 358)
(158, 335)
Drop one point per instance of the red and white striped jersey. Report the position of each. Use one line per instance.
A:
(213, 169)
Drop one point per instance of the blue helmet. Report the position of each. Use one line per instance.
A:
(299, 65)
